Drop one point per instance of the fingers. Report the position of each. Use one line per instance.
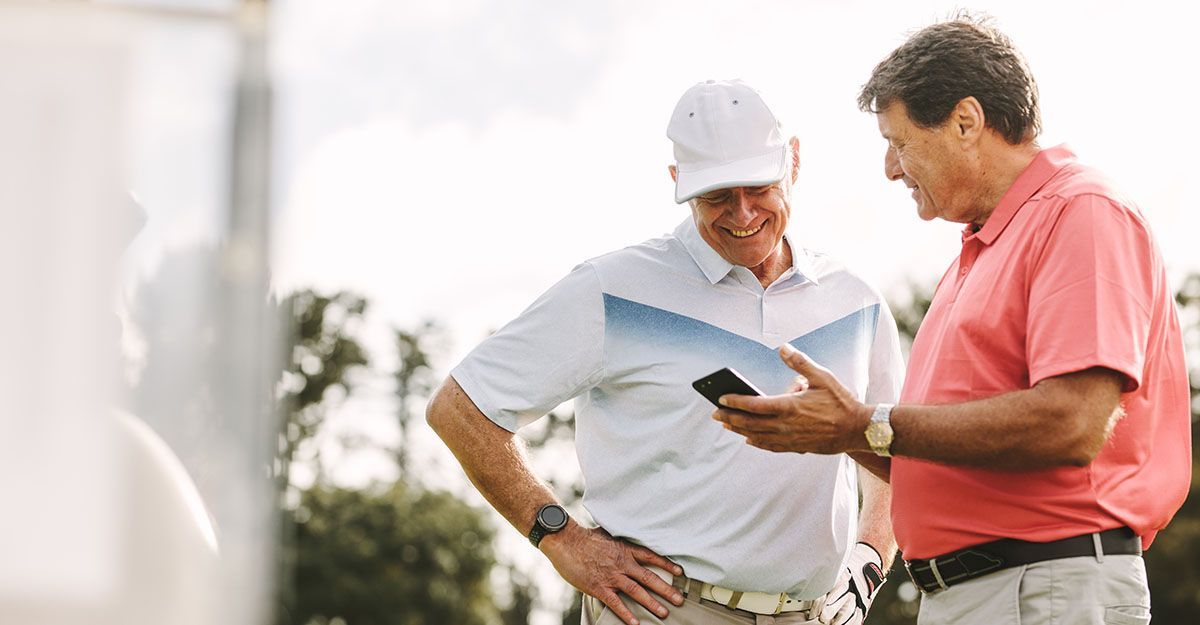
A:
(606, 567)
(802, 364)
(742, 422)
(835, 606)
(799, 384)
(614, 603)
(646, 556)
(834, 613)
(638, 593)
(650, 579)
(836, 599)
(848, 615)
(769, 405)
(769, 446)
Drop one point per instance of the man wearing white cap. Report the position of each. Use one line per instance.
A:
(688, 512)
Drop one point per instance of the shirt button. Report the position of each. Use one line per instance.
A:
(964, 271)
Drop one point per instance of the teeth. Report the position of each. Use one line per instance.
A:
(743, 233)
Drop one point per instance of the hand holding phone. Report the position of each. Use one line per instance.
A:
(724, 382)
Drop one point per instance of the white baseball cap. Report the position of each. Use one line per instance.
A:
(725, 136)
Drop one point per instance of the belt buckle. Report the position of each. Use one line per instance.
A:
(973, 563)
(908, 568)
(931, 567)
(782, 600)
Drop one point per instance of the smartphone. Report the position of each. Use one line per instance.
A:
(724, 382)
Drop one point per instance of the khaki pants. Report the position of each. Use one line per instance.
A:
(1107, 590)
(694, 611)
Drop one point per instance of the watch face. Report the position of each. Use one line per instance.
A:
(552, 517)
(879, 435)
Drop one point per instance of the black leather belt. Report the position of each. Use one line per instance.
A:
(959, 566)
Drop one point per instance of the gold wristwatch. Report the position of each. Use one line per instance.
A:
(879, 431)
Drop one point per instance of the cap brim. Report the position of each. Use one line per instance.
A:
(755, 171)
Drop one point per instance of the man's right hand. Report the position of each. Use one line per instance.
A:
(602, 566)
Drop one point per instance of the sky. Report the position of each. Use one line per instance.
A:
(453, 160)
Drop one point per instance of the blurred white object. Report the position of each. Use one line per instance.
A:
(163, 563)
(102, 524)
(62, 484)
(170, 567)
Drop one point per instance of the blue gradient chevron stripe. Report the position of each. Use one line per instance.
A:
(841, 346)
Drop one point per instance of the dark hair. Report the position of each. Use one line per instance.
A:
(951, 60)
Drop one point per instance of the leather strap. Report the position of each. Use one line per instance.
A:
(959, 566)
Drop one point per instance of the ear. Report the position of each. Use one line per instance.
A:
(967, 119)
(674, 174)
(794, 143)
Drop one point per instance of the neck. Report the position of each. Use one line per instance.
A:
(1001, 166)
(778, 262)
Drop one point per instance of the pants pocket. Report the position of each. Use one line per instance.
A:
(993, 599)
(1127, 615)
(593, 610)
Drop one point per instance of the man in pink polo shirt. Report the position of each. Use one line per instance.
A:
(1042, 437)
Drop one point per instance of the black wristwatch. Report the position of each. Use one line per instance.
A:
(550, 519)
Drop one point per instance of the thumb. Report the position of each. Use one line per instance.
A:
(802, 364)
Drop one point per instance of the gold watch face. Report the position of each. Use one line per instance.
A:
(879, 437)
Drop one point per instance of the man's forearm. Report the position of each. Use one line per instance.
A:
(587, 558)
(492, 457)
(1062, 421)
(875, 519)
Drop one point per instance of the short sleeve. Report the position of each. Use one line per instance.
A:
(549, 354)
(1091, 291)
(887, 363)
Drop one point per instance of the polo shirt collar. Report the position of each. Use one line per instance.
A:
(715, 268)
(1044, 166)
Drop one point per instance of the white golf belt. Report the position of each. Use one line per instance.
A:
(756, 602)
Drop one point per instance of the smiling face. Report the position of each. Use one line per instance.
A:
(745, 225)
(931, 162)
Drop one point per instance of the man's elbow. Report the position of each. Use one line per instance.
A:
(1085, 435)
(1080, 455)
(1083, 408)
(438, 412)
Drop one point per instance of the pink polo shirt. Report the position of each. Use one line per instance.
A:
(1063, 276)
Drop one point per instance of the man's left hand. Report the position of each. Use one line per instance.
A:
(857, 586)
(819, 416)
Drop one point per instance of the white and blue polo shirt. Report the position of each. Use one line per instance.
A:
(625, 334)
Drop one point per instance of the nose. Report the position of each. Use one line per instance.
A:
(891, 165)
(742, 209)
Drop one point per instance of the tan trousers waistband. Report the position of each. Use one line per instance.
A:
(755, 602)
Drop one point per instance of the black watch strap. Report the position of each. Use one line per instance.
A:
(551, 518)
(537, 534)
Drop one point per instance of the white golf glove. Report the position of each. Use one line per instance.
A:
(857, 586)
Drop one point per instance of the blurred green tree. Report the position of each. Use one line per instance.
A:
(393, 556)
(415, 380)
(321, 358)
(322, 351)
(390, 554)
